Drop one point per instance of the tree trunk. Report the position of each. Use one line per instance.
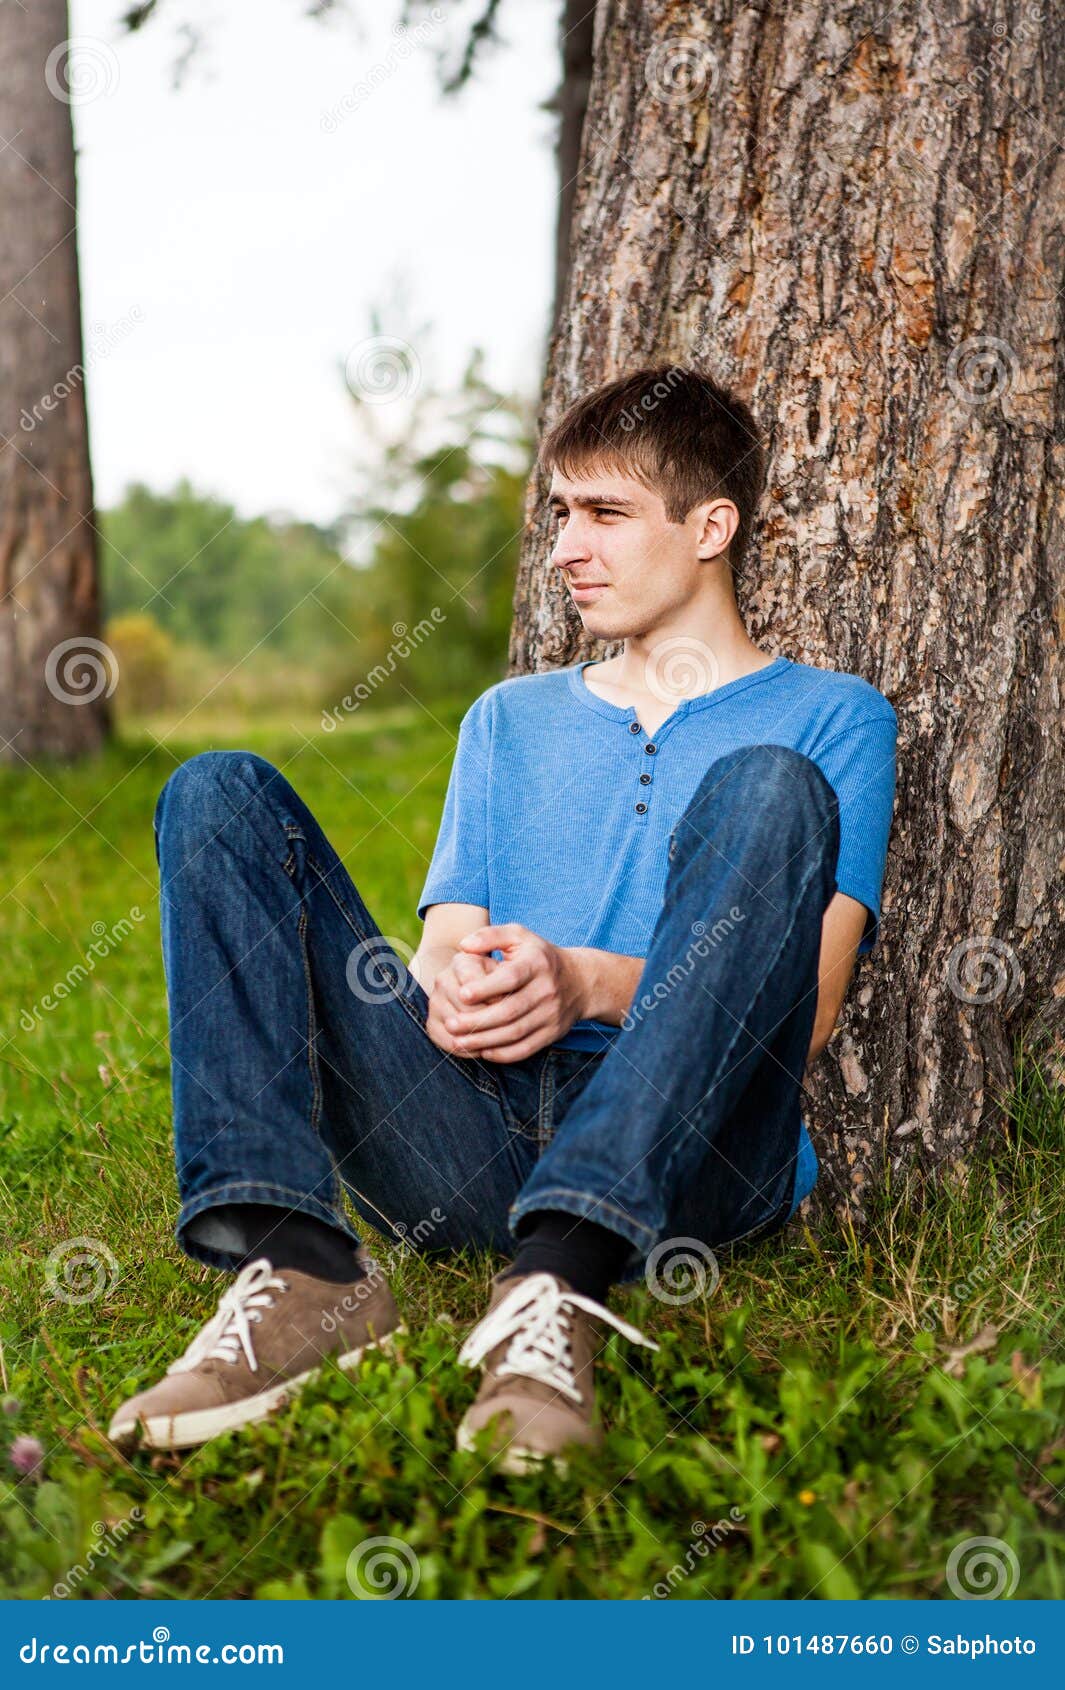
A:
(856, 217)
(577, 27)
(54, 675)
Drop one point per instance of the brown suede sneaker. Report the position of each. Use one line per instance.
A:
(538, 1344)
(271, 1331)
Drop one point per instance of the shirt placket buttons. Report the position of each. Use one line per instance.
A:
(645, 780)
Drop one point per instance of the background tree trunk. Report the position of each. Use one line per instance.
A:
(577, 30)
(54, 678)
(857, 218)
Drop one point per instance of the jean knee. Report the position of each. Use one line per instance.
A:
(777, 772)
(207, 790)
(773, 776)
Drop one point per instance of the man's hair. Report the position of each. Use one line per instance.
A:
(676, 430)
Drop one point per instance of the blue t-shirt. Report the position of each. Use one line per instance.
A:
(546, 780)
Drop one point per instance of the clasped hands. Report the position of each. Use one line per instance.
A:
(505, 1010)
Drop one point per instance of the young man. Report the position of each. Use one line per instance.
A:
(652, 878)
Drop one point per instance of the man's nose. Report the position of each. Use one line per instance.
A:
(571, 545)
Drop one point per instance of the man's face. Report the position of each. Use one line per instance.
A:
(612, 534)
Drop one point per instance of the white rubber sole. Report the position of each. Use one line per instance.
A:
(200, 1425)
(515, 1459)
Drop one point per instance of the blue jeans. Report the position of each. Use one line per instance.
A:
(301, 1067)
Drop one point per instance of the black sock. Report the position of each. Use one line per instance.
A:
(291, 1240)
(588, 1256)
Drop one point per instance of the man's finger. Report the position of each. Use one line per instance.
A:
(467, 967)
(494, 938)
(462, 972)
(503, 1038)
(507, 977)
(501, 1012)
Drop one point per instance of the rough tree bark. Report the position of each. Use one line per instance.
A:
(54, 677)
(857, 217)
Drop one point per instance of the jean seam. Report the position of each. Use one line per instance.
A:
(491, 1088)
(530, 1134)
(232, 1191)
(815, 868)
(546, 1110)
(754, 1232)
(317, 1095)
(312, 1066)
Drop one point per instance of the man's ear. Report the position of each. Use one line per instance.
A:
(716, 522)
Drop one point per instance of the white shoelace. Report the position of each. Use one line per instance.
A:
(229, 1329)
(534, 1317)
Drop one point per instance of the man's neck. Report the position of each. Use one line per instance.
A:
(685, 664)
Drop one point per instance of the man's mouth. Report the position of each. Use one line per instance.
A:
(587, 591)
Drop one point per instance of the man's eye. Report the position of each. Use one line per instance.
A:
(605, 510)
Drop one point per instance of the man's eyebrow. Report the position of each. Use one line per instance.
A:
(586, 500)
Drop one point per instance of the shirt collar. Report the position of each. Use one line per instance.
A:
(686, 707)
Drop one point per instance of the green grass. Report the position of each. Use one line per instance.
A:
(810, 1428)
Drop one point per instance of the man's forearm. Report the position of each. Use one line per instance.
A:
(429, 961)
(609, 983)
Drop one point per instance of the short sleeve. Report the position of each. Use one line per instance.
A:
(458, 871)
(859, 764)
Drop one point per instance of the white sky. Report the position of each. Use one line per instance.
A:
(232, 246)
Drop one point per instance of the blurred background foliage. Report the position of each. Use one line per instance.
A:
(211, 610)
